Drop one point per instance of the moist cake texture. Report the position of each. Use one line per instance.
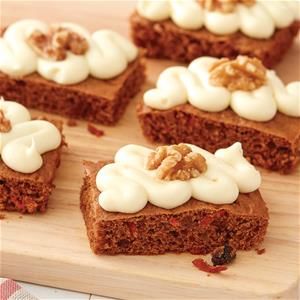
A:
(213, 103)
(274, 145)
(100, 101)
(196, 227)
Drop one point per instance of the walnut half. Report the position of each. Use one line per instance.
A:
(224, 6)
(56, 43)
(5, 125)
(176, 162)
(243, 73)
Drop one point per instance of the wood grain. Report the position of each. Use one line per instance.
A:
(52, 248)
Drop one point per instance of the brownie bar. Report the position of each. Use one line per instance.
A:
(273, 145)
(29, 193)
(196, 227)
(166, 40)
(100, 101)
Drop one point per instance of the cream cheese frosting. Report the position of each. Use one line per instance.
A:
(21, 148)
(180, 85)
(257, 21)
(108, 55)
(126, 185)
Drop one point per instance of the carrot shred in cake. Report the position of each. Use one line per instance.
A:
(133, 229)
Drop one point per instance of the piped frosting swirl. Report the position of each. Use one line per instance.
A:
(259, 20)
(180, 85)
(127, 185)
(21, 147)
(107, 56)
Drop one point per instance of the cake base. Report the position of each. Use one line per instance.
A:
(166, 40)
(196, 227)
(274, 145)
(100, 101)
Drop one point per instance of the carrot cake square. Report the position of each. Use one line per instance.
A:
(185, 30)
(29, 156)
(178, 198)
(64, 69)
(213, 103)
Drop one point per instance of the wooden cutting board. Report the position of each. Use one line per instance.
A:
(52, 248)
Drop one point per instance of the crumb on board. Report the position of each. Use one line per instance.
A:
(260, 251)
(202, 265)
(72, 123)
(223, 255)
(2, 216)
(94, 130)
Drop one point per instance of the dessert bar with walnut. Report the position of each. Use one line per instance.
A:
(167, 37)
(195, 226)
(241, 101)
(68, 71)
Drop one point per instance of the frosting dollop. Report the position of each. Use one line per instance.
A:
(21, 148)
(179, 85)
(259, 20)
(127, 185)
(107, 56)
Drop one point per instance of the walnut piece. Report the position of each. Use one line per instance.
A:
(224, 6)
(5, 125)
(176, 162)
(57, 42)
(243, 73)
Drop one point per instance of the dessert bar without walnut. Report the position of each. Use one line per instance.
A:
(30, 153)
(28, 193)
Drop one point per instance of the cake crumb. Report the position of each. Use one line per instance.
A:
(223, 255)
(94, 130)
(2, 216)
(260, 251)
(202, 265)
(72, 123)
